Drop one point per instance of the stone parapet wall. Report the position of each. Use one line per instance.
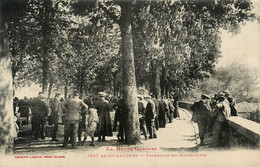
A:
(242, 132)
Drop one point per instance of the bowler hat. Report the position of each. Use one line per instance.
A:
(204, 96)
(102, 94)
(221, 96)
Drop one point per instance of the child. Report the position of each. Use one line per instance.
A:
(15, 130)
(91, 125)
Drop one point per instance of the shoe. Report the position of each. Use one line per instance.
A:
(145, 137)
(92, 144)
(202, 144)
(64, 145)
(150, 137)
(155, 137)
(73, 147)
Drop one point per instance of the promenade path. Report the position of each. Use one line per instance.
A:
(176, 145)
(180, 134)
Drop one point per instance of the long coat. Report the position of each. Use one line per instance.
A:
(24, 108)
(201, 112)
(104, 126)
(39, 109)
(223, 111)
(162, 115)
(57, 109)
(74, 107)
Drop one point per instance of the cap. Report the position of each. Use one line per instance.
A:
(147, 96)
(57, 93)
(226, 93)
(204, 96)
(76, 93)
(102, 94)
(221, 95)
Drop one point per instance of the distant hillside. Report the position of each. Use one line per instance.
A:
(247, 107)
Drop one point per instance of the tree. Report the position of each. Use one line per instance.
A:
(129, 82)
(112, 11)
(9, 9)
(188, 33)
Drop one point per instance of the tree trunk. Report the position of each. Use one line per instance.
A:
(155, 85)
(65, 92)
(45, 76)
(50, 89)
(129, 81)
(46, 41)
(6, 91)
(82, 82)
(163, 81)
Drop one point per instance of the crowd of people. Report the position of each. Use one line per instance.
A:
(211, 115)
(90, 116)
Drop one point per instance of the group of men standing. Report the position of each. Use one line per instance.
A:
(153, 114)
(211, 115)
(76, 110)
(72, 112)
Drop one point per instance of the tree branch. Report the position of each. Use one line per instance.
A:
(110, 14)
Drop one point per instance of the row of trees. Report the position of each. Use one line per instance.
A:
(167, 46)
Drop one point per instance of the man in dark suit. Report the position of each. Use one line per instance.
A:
(141, 112)
(57, 109)
(40, 111)
(150, 115)
(201, 115)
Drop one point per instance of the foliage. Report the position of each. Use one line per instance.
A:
(83, 41)
(241, 81)
(253, 116)
(188, 33)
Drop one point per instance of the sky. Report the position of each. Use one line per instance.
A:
(243, 48)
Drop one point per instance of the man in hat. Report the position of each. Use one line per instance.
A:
(40, 111)
(103, 107)
(157, 105)
(166, 109)
(24, 109)
(232, 103)
(120, 117)
(221, 113)
(201, 115)
(72, 118)
(56, 113)
(150, 115)
(141, 112)
(176, 113)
